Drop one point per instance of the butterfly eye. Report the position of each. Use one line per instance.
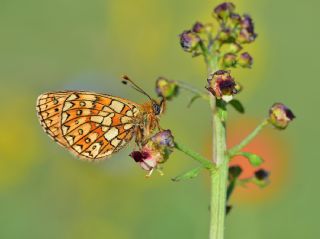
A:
(156, 108)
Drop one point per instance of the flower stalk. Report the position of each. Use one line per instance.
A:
(237, 149)
(222, 50)
(196, 156)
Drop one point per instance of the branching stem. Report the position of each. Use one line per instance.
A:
(236, 149)
(196, 156)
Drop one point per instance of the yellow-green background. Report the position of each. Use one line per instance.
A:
(77, 44)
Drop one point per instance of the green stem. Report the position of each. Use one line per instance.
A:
(210, 59)
(196, 156)
(193, 90)
(236, 149)
(219, 179)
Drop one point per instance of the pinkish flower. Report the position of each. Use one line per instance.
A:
(156, 151)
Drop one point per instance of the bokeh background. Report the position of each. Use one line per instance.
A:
(78, 44)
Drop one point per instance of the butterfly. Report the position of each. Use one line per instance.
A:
(94, 126)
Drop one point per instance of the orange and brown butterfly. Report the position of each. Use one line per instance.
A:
(94, 126)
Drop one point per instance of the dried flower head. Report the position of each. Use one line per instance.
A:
(223, 11)
(154, 152)
(222, 85)
(166, 88)
(247, 33)
(189, 40)
(235, 19)
(245, 60)
(198, 27)
(280, 115)
(229, 60)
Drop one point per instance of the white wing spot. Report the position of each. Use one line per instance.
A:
(107, 120)
(64, 129)
(64, 117)
(72, 97)
(117, 106)
(135, 111)
(107, 109)
(112, 133)
(127, 126)
(96, 119)
(105, 129)
(129, 113)
(103, 113)
(77, 148)
(70, 139)
(115, 142)
(125, 119)
(67, 105)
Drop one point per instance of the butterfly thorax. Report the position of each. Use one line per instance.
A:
(148, 122)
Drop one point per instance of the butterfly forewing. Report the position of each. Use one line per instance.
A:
(91, 125)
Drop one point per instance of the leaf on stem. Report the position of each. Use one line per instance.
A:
(255, 160)
(237, 105)
(188, 175)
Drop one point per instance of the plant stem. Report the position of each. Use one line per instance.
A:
(219, 179)
(192, 89)
(196, 156)
(236, 149)
(219, 157)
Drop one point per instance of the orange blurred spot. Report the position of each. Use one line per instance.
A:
(270, 145)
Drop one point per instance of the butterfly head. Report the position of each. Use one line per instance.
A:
(157, 107)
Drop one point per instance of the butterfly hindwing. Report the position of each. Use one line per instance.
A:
(92, 126)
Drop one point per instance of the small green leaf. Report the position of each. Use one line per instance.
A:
(188, 175)
(255, 160)
(237, 105)
(194, 98)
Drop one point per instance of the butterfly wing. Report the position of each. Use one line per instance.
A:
(90, 125)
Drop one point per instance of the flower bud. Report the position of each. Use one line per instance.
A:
(164, 138)
(247, 33)
(166, 88)
(234, 172)
(189, 41)
(245, 60)
(225, 35)
(223, 10)
(280, 116)
(234, 47)
(235, 19)
(222, 85)
(198, 27)
(261, 175)
(229, 60)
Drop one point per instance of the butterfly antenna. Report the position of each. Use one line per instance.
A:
(126, 79)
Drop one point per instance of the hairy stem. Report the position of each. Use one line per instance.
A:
(219, 179)
(236, 149)
(219, 157)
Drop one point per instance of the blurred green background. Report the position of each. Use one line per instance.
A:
(78, 44)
